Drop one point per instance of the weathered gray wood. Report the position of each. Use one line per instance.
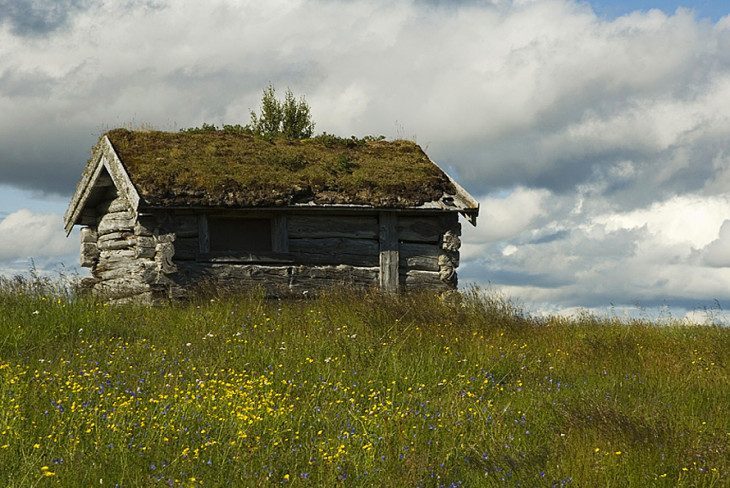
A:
(317, 278)
(275, 279)
(420, 229)
(116, 170)
(428, 228)
(424, 263)
(282, 258)
(388, 245)
(280, 234)
(424, 280)
(118, 204)
(451, 241)
(165, 250)
(186, 248)
(139, 271)
(116, 244)
(109, 226)
(89, 254)
(83, 189)
(336, 250)
(203, 235)
(113, 236)
(116, 255)
(88, 234)
(419, 256)
(180, 225)
(449, 258)
(323, 226)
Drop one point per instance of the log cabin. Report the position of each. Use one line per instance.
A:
(162, 212)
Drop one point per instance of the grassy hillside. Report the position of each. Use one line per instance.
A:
(373, 391)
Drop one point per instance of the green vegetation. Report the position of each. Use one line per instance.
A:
(231, 167)
(354, 390)
(291, 119)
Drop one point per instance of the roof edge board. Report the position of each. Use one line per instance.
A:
(83, 190)
(119, 174)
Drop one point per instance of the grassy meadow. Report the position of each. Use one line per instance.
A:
(354, 390)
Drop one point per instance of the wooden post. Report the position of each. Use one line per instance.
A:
(388, 237)
(279, 234)
(203, 236)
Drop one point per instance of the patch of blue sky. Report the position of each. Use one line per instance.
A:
(13, 199)
(712, 9)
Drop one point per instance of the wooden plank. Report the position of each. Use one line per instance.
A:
(116, 170)
(415, 280)
(306, 279)
(421, 229)
(180, 225)
(113, 225)
(230, 277)
(419, 256)
(186, 248)
(83, 190)
(116, 244)
(388, 240)
(323, 226)
(88, 234)
(89, 254)
(280, 234)
(334, 250)
(283, 258)
(203, 236)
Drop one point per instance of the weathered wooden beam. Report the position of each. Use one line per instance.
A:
(116, 170)
(180, 225)
(388, 240)
(414, 280)
(203, 235)
(335, 250)
(280, 234)
(83, 190)
(322, 226)
(421, 229)
(314, 278)
(421, 256)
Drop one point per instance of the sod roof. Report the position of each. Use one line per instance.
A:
(225, 169)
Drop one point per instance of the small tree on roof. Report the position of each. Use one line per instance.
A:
(291, 118)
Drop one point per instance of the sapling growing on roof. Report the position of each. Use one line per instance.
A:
(291, 118)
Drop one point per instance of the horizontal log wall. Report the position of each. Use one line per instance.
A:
(148, 257)
(429, 251)
(332, 239)
(321, 251)
(274, 280)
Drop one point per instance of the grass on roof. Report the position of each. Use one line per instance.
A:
(219, 168)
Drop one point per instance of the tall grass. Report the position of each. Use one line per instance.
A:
(358, 390)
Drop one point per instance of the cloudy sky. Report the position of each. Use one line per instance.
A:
(596, 134)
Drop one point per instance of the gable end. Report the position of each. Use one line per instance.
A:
(103, 170)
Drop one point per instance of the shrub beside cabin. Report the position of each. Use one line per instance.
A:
(163, 212)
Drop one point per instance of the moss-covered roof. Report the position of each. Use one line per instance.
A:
(224, 169)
